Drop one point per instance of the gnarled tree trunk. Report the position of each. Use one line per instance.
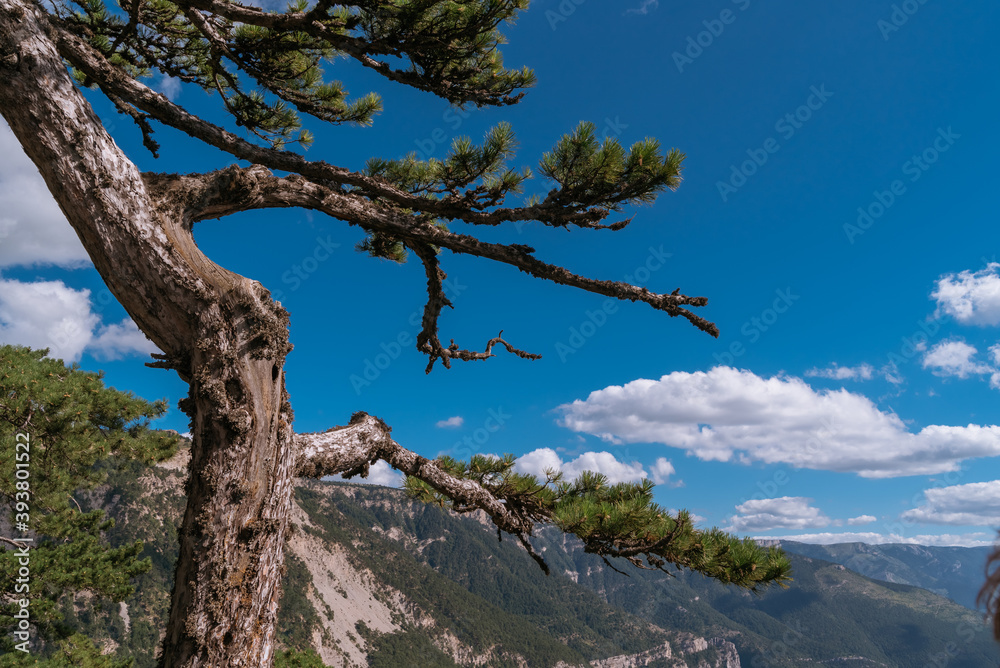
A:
(221, 332)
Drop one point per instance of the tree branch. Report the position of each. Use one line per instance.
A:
(314, 24)
(350, 450)
(427, 339)
(214, 195)
(113, 82)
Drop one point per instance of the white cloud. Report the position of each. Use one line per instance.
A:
(113, 342)
(644, 7)
(33, 231)
(727, 414)
(379, 473)
(861, 519)
(954, 358)
(892, 374)
(978, 539)
(976, 503)
(786, 512)
(537, 461)
(834, 372)
(661, 470)
(48, 314)
(169, 86)
(450, 423)
(971, 297)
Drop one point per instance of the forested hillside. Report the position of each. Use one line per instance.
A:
(473, 600)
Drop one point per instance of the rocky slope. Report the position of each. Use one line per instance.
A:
(374, 579)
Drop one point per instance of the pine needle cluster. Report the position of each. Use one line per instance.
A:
(617, 521)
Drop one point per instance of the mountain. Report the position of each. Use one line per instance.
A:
(829, 614)
(954, 572)
(376, 579)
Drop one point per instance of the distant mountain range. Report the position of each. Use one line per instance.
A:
(954, 572)
(374, 579)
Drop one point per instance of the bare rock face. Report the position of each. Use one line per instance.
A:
(664, 651)
(683, 651)
(728, 656)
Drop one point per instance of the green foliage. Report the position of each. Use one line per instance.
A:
(292, 658)
(296, 616)
(602, 174)
(619, 520)
(409, 648)
(76, 651)
(70, 422)
(268, 70)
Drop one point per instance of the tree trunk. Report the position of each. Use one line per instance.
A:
(228, 578)
(221, 332)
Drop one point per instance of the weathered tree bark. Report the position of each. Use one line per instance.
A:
(221, 332)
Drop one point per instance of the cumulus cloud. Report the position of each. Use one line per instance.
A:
(726, 414)
(538, 461)
(46, 314)
(113, 342)
(954, 358)
(971, 297)
(786, 512)
(33, 231)
(976, 503)
(49, 314)
(978, 539)
(379, 473)
(169, 86)
(834, 372)
(861, 519)
(451, 423)
(661, 470)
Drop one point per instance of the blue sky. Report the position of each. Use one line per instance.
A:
(837, 210)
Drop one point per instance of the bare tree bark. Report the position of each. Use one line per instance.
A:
(221, 332)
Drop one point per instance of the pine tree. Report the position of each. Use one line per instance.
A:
(227, 338)
(56, 423)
